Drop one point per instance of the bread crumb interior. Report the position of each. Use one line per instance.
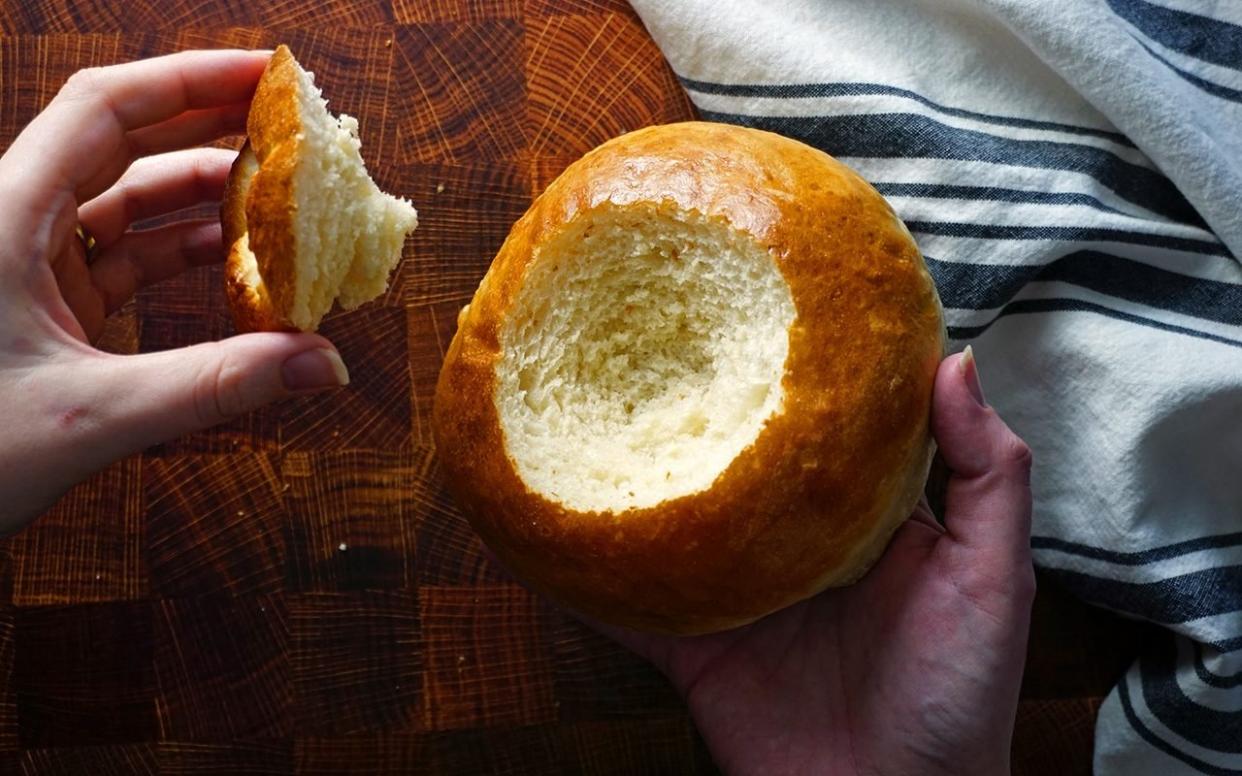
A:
(643, 352)
(349, 234)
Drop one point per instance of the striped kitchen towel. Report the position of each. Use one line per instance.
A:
(1072, 170)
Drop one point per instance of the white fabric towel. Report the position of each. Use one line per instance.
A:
(1072, 169)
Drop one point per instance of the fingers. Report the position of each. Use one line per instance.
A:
(81, 142)
(141, 258)
(155, 397)
(189, 129)
(155, 186)
(988, 499)
(148, 91)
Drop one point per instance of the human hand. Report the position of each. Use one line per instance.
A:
(913, 670)
(104, 154)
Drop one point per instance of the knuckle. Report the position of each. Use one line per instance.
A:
(83, 83)
(219, 391)
(1016, 453)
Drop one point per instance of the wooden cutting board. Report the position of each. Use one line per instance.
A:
(294, 593)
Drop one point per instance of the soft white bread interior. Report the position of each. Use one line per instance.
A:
(641, 360)
(305, 224)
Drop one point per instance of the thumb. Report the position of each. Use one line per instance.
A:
(988, 499)
(156, 397)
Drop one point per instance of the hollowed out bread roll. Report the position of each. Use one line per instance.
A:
(695, 385)
(305, 224)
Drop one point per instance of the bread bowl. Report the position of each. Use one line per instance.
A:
(694, 386)
(305, 225)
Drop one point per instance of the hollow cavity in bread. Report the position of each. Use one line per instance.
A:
(643, 352)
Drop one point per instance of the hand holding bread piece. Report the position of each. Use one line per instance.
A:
(304, 224)
(694, 387)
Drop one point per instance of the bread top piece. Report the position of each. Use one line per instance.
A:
(305, 224)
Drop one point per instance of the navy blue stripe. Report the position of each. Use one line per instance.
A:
(1141, 557)
(1225, 682)
(854, 89)
(993, 194)
(988, 286)
(1148, 735)
(900, 135)
(1028, 306)
(1209, 728)
(1201, 37)
(1227, 645)
(1068, 233)
(1210, 87)
(1167, 601)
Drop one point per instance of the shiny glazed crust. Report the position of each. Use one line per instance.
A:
(258, 200)
(813, 501)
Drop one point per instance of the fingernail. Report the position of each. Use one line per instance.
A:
(315, 370)
(970, 372)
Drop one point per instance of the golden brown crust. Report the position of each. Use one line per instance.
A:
(274, 127)
(813, 501)
(261, 203)
(251, 310)
(233, 205)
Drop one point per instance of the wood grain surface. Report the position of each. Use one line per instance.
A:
(294, 592)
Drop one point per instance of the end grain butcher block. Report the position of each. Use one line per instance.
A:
(293, 592)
